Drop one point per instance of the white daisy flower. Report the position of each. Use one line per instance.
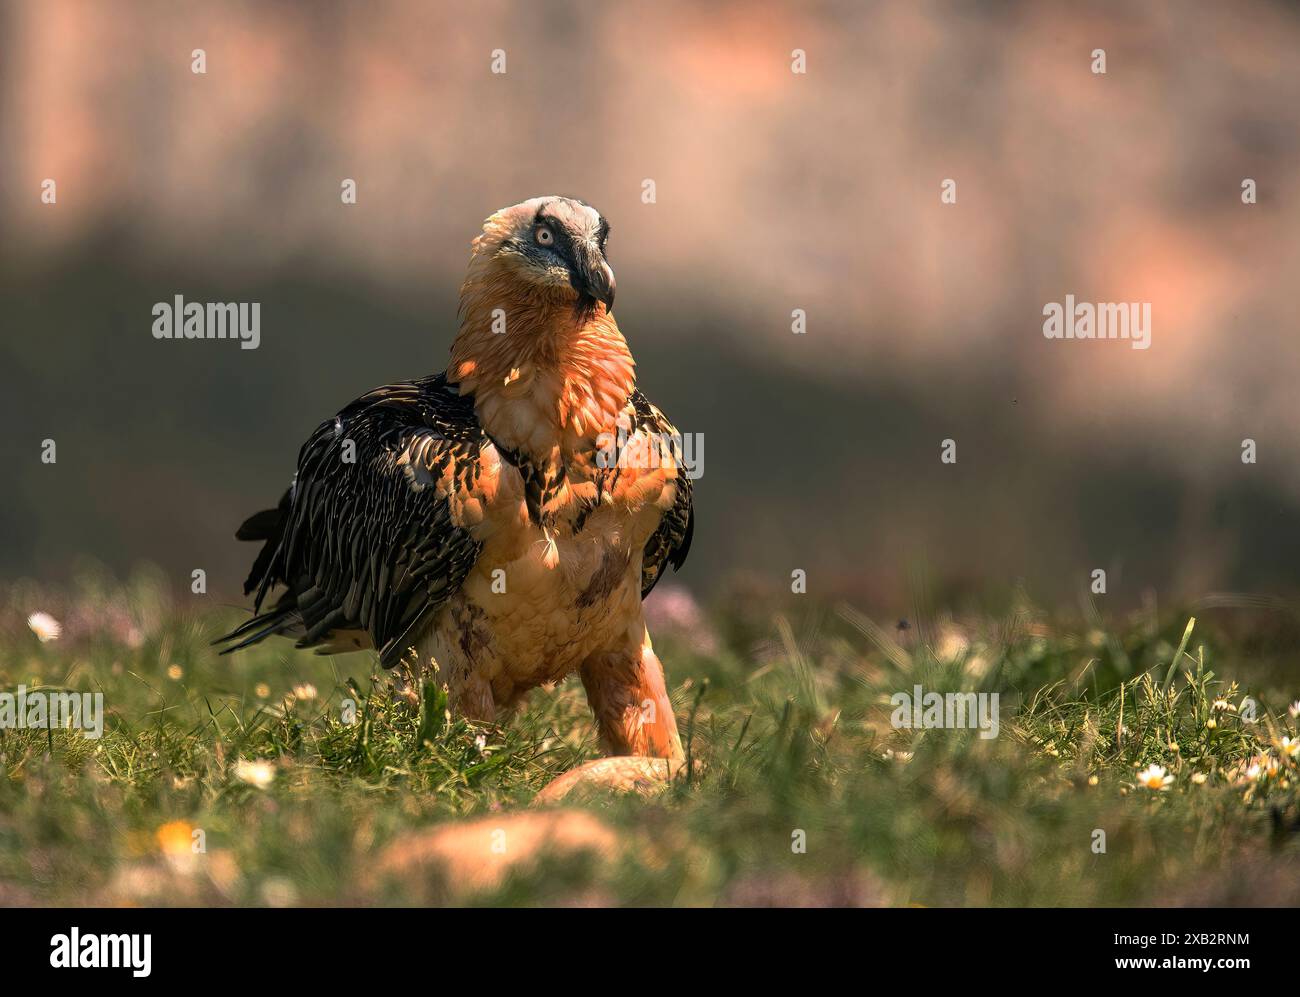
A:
(1154, 777)
(45, 626)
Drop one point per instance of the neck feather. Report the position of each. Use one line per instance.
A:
(552, 381)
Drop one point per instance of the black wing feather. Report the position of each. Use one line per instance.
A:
(671, 542)
(368, 544)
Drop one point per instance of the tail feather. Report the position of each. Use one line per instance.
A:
(261, 525)
(263, 625)
(267, 526)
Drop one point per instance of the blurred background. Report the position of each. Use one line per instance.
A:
(775, 192)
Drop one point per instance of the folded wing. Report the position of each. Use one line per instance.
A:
(671, 542)
(366, 541)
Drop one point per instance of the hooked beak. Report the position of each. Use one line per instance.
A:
(595, 279)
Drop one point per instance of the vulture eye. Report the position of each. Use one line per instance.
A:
(544, 236)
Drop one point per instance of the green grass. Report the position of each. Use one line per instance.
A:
(789, 720)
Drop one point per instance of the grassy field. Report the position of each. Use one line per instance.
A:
(240, 780)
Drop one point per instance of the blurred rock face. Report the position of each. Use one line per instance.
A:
(333, 163)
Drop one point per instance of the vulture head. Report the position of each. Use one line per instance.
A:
(538, 347)
(548, 248)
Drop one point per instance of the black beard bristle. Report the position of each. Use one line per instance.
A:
(585, 307)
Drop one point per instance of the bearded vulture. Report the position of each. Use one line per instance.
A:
(501, 520)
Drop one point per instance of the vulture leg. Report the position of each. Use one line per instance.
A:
(626, 691)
